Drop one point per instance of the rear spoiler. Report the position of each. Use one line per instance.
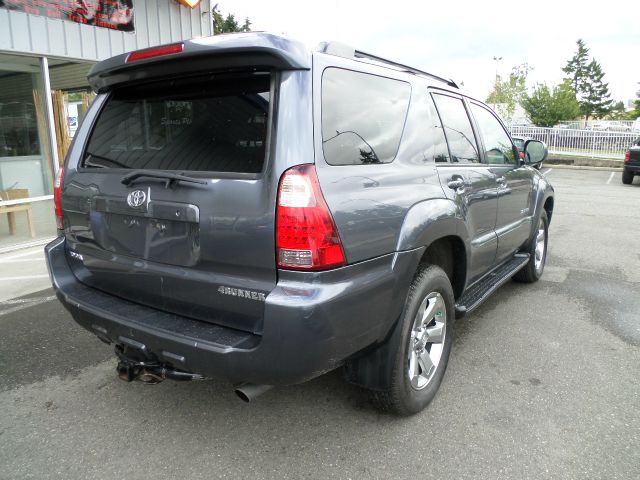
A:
(228, 52)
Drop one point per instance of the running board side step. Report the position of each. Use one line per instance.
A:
(481, 290)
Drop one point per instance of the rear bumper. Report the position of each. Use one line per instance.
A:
(633, 168)
(313, 322)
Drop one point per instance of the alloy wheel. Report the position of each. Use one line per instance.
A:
(541, 245)
(426, 341)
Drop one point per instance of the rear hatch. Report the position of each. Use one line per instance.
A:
(169, 204)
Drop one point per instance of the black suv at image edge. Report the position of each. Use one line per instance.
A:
(631, 166)
(238, 207)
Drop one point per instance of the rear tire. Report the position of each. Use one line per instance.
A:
(537, 251)
(423, 346)
(627, 177)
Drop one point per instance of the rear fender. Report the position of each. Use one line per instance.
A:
(431, 220)
(542, 191)
(425, 223)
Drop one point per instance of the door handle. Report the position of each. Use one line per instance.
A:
(457, 185)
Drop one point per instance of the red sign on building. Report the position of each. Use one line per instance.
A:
(113, 14)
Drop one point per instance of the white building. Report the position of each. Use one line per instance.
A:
(46, 51)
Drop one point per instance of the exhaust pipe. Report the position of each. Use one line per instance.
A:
(247, 392)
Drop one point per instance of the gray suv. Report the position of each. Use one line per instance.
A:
(239, 207)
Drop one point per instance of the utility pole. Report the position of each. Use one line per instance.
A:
(497, 60)
(495, 83)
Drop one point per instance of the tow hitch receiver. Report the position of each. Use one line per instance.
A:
(152, 373)
(149, 371)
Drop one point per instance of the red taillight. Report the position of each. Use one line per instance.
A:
(155, 52)
(306, 236)
(627, 156)
(57, 200)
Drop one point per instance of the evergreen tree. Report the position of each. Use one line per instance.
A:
(576, 68)
(596, 99)
(228, 24)
(587, 80)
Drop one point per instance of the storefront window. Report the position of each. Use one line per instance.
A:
(26, 182)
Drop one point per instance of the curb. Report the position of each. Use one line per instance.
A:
(29, 244)
(581, 167)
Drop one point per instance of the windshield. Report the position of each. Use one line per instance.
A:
(217, 123)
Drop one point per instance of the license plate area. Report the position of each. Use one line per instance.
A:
(163, 232)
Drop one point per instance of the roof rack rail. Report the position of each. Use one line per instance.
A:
(368, 56)
(346, 51)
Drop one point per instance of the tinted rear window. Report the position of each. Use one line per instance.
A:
(362, 117)
(213, 124)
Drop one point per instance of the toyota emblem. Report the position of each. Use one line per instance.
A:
(136, 198)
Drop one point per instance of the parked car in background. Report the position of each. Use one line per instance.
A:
(631, 163)
(609, 126)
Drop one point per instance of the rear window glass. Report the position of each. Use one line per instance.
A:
(362, 117)
(213, 124)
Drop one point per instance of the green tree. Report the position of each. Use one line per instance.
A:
(635, 113)
(576, 68)
(617, 112)
(587, 80)
(596, 99)
(228, 24)
(508, 93)
(546, 107)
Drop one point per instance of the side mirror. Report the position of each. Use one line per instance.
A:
(535, 152)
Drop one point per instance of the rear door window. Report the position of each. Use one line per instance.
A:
(213, 124)
(363, 117)
(457, 129)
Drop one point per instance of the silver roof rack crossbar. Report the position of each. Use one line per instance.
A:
(347, 51)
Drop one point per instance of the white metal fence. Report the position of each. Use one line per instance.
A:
(584, 143)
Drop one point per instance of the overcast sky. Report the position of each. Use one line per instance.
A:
(459, 38)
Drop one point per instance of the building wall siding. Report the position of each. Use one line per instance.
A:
(155, 21)
(69, 77)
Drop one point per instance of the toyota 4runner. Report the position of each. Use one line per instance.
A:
(239, 207)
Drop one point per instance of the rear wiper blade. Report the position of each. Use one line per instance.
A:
(101, 157)
(169, 178)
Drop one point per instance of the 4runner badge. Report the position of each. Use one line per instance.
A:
(136, 198)
(239, 292)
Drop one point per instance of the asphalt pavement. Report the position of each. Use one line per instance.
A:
(543, 383)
